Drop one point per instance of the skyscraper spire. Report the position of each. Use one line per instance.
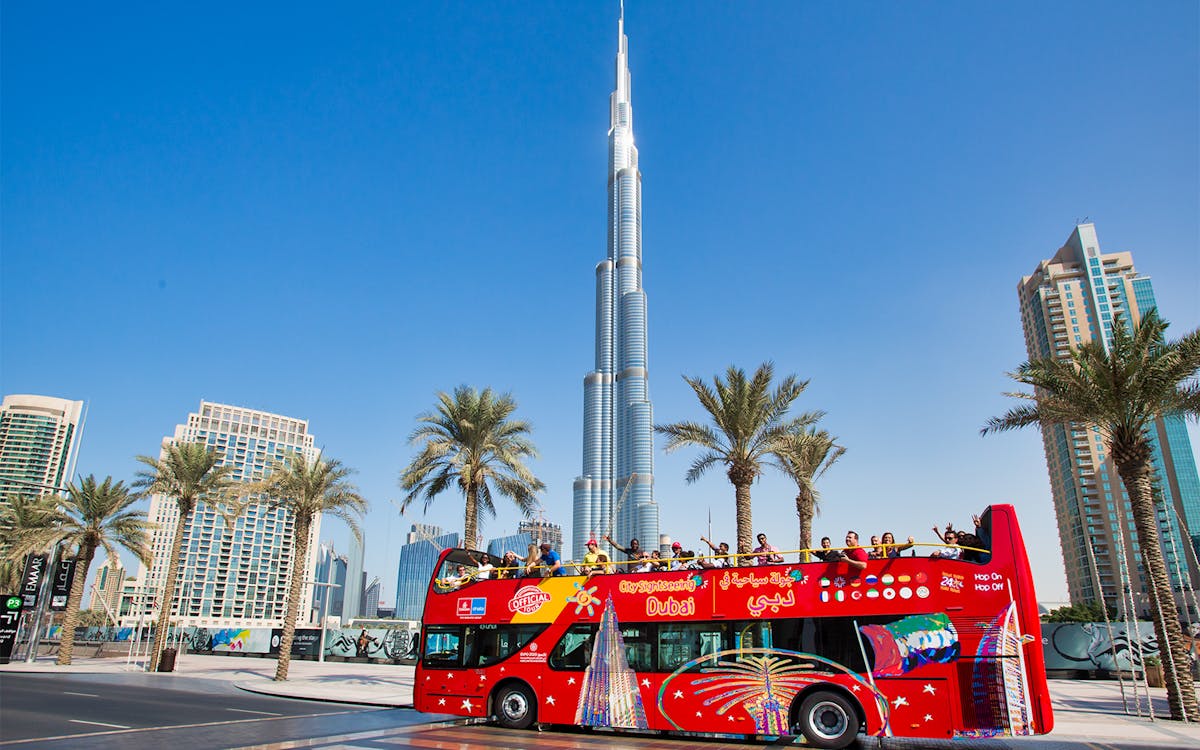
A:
(615, 492)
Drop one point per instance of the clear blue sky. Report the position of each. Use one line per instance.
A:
(333, 212)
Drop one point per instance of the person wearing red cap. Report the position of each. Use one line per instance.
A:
(591, 560)
(678, 561)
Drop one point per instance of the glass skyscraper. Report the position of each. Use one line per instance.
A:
(1071, 299)
(615, 492)
(418, 558)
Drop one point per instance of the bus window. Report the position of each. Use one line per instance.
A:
(495, 643)
(679, 643)
(574, 649)
(639, 646)
(443, 646)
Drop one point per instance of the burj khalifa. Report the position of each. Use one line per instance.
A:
(615, 492)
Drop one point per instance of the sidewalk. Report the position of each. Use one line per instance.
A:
(1084, 710)
(385, 685)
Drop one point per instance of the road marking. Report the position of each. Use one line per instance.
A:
(248, 711)
(98, 723)
(139, 730)
(85, 695)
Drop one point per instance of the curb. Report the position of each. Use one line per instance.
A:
(252, 688)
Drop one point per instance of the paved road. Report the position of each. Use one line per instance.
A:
(479, 737)
(121, 711)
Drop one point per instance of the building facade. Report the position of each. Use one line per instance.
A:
(331, 568)
(233, 576)
(39, 437)
(355, 577)
(106, 590)
(1070, 300)
(371, 595)
(614, 493)
(418, 557)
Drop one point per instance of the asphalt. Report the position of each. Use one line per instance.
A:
(1084, 710)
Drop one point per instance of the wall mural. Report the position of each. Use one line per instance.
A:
(1088, 645)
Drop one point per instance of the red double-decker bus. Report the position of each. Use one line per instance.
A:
(909, 646)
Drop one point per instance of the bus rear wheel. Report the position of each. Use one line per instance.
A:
(515, 706)
(827, 720)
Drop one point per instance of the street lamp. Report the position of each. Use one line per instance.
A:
(324, 610)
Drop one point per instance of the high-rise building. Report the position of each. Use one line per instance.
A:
(1072, 299)
(106, 590)
(239, 576)
(331, 568)
(370, 605)
(540, 530)
(615, 491)
(39, 437)
(356, 579)
(418, 557)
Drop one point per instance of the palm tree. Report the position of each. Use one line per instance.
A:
(27, 526)
(751, 424)
(192, 474)
(96, 515)
(805, 456)
(306, 489)
(1121, 391)
(471, 442)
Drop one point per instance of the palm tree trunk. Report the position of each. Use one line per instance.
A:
(168, 593)
(471, 520)
(1181, 693)
(71, 617)
(745, 522)
(299, 565)
(805, 511)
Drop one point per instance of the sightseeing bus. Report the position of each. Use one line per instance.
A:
(910, 646)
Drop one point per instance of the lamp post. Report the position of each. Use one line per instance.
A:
(324, 610)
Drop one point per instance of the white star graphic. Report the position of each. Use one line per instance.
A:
(928, 717)
(856, 688)
(929, 689)
(481, 678)
(441, 701)
(731, 718)
(550, 700)
(450, 676)
(900, 701)
(468, 705)
(645, 682)
(678, 693)
(570, 680)
(501, 670)
(427, 678)
(697, 714)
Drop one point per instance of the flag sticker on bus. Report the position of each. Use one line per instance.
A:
(472, 606)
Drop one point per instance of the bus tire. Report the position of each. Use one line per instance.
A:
(827, 720)
(515, 706)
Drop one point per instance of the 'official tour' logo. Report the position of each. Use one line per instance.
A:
(527, 600)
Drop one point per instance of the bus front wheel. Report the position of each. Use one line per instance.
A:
(827, 720)
(515, 706)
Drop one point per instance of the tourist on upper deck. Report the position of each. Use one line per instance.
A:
(591, 559)
(767, 554)
(827, 553)
(950, 551)
(509, 565)
(633, 553)
(893, 549)
(856, 556)
(551, 560)
(483, 566)
(678, 561)
(875, 552)
(721, 559)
